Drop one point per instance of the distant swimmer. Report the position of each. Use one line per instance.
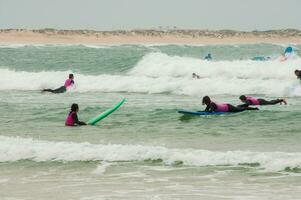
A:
(194, 75)
(251, 101)
(208, 57)
(68, 83)
(214, 107)
(298, 73)
(72, 119)
(288, 52)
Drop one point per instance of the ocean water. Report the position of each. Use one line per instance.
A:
(146, 150)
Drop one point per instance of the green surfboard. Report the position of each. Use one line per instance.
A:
(96, 119)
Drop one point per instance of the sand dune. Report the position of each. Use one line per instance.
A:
(53, 36)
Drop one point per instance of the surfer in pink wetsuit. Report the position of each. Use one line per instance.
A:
(248, 101)
(72, 119)
(214, 107)
(68, 83)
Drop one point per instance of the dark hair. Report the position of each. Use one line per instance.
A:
(70, 75)
(243, 97)
(297, 70)
(74, 107)
(206, 100)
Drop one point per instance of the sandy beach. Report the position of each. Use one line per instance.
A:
(53, 36)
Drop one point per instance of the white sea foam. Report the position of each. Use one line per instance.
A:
(160, 73)
(15, 149)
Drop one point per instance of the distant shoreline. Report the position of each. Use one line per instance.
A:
(53, 36)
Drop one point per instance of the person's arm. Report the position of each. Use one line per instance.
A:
(246, 104)
(76, 121)
(212, 107)
(243, 105)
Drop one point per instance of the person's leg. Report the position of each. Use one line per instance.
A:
(47, 90)
(272, 102)
(60, 90)
(263, 102)
(232, 108)
(240, 109)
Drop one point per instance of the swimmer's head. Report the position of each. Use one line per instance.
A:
(206, 100)
(74, 107)
(243, 98)
(71, 76)
(297, 72)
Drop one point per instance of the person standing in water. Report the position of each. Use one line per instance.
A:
(68, 83)
(214, 107)
(72, 118)
(251, 101)
(208, 57)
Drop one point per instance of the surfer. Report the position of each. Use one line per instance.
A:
(288, 52)
(194, 75)
(248, 101)
(72, 118)
(208, 57)
(298, 73)
(68, 83)
(214, 107)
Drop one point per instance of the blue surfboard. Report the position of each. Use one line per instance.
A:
(202, 113)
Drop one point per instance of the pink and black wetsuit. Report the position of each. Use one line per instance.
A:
(72, 119)
(222, 107)
(68, 83)
(255, 102)
(62, 89)
(214, 107)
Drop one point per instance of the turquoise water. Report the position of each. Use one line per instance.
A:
(146, 150)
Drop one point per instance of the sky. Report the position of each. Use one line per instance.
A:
(245, 15)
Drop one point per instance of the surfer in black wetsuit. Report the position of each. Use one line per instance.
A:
(208, 57)
(298, 73)
(72, 118)
(68, 83)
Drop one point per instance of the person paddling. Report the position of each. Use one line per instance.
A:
(68, 83)
(251, 101)
(214, 107)
(72, 118)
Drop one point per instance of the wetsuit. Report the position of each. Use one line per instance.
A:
(62, 89)
(208, 57)
(213, 107)
(58, 90)
(72, 120)
(253, 101)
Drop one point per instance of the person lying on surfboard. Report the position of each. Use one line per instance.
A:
(72, 119)
(68, 83)
(251, 101)
(214, 107)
